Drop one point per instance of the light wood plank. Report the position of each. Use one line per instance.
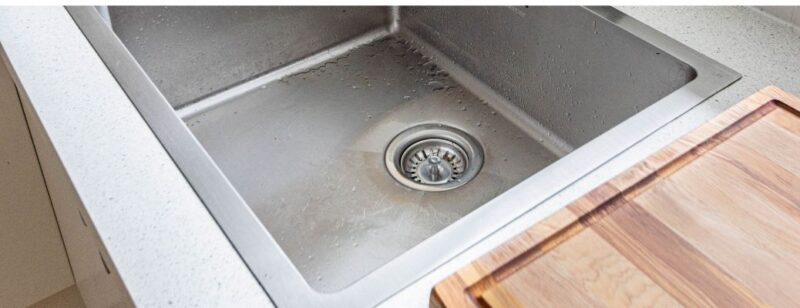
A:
(584, 271)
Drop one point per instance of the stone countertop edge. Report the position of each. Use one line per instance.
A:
(165, 245)
(146, 213)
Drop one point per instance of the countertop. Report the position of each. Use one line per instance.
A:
(164, 243)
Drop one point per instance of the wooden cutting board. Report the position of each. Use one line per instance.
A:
(711, 220)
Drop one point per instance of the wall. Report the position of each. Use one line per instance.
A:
(790, 14)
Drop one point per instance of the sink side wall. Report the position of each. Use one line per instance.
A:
(191, 52)
(569, 69)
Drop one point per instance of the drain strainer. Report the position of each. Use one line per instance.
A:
(433, 157)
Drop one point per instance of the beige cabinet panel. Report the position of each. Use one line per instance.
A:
(33, 263)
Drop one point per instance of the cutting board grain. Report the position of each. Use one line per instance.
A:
(713, 219)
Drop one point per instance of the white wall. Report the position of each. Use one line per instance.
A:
(790, 14)
(33, 262)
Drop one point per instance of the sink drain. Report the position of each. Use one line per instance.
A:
(433, 157)
(434, 161)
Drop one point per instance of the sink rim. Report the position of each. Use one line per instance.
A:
(274, 270)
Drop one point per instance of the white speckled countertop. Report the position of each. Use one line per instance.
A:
(162, 240)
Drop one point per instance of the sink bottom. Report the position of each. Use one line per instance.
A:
(307, 154)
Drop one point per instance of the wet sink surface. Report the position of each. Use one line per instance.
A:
(281, 119)
(307, 153)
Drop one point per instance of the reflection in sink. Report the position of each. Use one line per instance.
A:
(296, 107)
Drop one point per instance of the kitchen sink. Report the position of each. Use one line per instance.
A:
(348, 151)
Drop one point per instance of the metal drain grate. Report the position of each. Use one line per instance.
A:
(433, 157)
(434, 161)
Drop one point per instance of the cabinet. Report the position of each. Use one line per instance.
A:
(33, 263)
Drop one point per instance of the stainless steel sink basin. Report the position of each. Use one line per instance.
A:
(348, 151)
